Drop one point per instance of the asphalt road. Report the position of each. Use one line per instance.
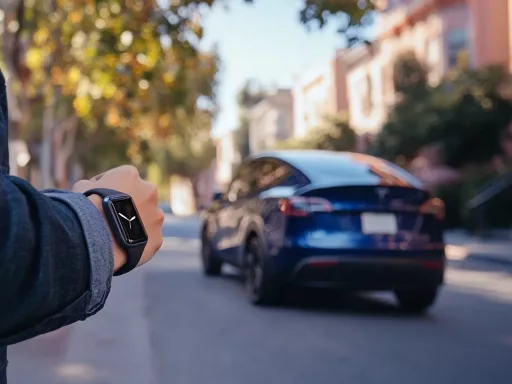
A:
(195, 330)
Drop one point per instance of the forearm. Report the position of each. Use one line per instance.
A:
(56, 260)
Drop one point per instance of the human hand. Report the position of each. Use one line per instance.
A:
(126, 179)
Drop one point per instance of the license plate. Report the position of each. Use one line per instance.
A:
(378, 223)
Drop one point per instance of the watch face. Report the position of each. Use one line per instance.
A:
(129, 219)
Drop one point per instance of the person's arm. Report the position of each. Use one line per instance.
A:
(56, 260)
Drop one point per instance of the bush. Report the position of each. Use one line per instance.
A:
(466, 111)
(335, 134)
(456, 197)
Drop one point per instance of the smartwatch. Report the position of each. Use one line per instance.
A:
(125, 223)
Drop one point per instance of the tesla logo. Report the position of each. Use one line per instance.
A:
(382, 193)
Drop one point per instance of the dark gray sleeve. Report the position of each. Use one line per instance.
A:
(56, 260)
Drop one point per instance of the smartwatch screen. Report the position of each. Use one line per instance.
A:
(129, 219)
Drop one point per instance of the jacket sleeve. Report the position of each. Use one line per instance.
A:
(56, 260)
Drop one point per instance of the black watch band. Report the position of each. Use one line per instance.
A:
(133, 247)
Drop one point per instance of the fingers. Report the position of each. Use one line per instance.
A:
(152, 192)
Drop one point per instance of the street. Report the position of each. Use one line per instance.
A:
(167, 323)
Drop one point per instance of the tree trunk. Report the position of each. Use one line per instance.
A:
(64, 144)
(46, 147)
(195, 190)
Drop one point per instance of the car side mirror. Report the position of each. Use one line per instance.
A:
(217, 196)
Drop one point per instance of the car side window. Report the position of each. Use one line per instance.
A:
(249, 176)
(275, 173)
(244, 183)
(260, 175)
(270, 174)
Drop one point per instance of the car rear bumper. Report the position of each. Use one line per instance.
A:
(401, 270)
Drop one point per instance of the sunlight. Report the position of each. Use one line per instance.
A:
(76, 371)
(456, 252)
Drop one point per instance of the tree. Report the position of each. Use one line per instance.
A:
(186, 154)
(419, 108)
(334, 135)
(409, 74)
(464, 112)
(477, 117)
(84, 60)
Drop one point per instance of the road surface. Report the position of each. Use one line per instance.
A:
(167, 324)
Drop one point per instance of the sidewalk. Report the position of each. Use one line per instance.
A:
(460, 245)
(111, 347)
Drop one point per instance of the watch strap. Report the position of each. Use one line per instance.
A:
(132, 260)
(103, 192)
(133, 254)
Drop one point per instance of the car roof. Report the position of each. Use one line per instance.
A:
(343, 168)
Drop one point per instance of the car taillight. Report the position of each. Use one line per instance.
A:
(435, 207)
(304, 206)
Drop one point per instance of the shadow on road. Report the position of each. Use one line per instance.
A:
(326, 300)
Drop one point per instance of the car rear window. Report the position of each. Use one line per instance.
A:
(353, 169)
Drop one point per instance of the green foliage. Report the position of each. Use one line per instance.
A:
(409, 74)
(109, 152)
(188, 153)
(111, 58)
(457, 196)
(353, 16)
(334, 135)
(465, 112)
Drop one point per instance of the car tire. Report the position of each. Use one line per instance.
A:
(416, 301)
(259, 283)
(212, 266)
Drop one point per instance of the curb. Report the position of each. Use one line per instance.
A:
(489, 258)
(464, 252)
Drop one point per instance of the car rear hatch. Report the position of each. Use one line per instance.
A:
(366, 217)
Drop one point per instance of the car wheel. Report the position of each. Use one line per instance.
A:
(211, 265)
(260, 286)
(416, 301)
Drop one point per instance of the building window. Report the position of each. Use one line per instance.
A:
(456, 43)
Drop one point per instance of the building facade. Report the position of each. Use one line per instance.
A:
(270, 121)
(227, 158)
(438, 32)
(318, 93)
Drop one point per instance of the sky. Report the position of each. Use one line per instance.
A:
(266, 42)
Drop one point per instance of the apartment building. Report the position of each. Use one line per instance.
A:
(437, 31)
(227, 158)
(318, 93)
(270, 120)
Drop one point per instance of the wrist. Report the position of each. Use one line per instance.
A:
(119, 253)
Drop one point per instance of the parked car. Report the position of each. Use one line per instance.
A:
(327, 219)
